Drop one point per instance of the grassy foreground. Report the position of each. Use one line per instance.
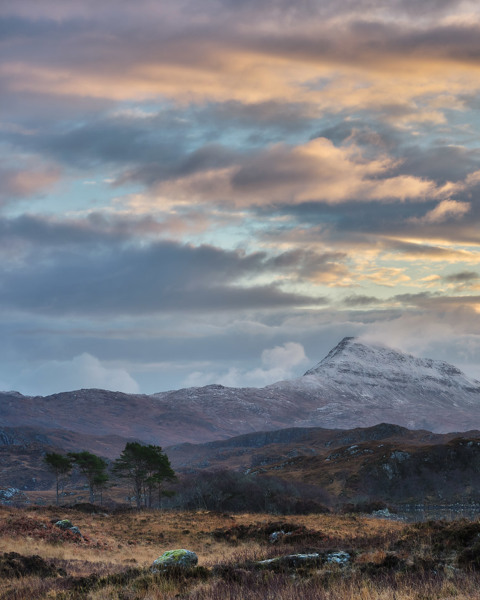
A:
(389, 560)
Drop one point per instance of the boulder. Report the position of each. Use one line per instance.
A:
(67, 525)
(64, 524)
(183, 559)
(291, 561)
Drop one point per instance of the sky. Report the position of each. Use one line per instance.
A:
(220, 191)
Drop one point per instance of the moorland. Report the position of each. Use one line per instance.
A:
(111, 558)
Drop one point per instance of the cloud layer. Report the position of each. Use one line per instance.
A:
(222, 189)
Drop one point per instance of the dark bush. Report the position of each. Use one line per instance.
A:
(365, 507)
(14, 565)
(238, 492)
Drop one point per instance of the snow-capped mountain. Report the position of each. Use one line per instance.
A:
(355, 385)
(360, 384)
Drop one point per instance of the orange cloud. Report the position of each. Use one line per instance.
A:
(315, 171)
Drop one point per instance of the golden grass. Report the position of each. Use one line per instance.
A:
(141, 537)
(116, 543)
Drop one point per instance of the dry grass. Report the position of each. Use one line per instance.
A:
(112, 561)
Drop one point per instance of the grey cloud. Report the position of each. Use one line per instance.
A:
(168, 143)
(110, 140)
(308, 264)
(420, 250)
(440, 163)
(202, 159)
(462, 277)
(18, 183)
(173, 39)
(360, 300)
(96, 230)
(146, 9)
(436, 161)
(121, 278)
(424, 299)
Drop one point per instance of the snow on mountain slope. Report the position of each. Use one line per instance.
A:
(360, 384)
(355, 385)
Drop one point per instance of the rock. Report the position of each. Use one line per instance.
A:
(184, 559)
(382, 513)
(291, 561)
(339, 558)
(64, 524)
(278, 535)
(12, 495)
(67, 525)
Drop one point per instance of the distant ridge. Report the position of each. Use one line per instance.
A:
(355, 385)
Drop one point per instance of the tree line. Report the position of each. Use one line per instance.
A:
(145, 467)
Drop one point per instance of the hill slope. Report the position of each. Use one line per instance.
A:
(356, 385)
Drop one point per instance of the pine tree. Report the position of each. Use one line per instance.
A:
(146, 467)
(60, 465)
(94, 469)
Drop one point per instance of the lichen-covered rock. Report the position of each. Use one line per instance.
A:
(184, 559)
(67, 525)
(64, 524)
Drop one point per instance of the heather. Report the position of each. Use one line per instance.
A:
(244, 556)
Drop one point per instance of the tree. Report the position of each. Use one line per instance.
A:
(61, 466)
(146, 467)
(94, 469)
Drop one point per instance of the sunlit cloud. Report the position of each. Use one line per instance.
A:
(24, 183)
(226, 188)
(445, 210)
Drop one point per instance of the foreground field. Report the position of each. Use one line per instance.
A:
(387, 560)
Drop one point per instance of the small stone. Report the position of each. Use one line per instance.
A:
(276, 535)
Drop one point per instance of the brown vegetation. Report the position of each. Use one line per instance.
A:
(111, 560)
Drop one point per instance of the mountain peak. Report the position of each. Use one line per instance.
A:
(351, 350)
(357, 357)
(339, 349)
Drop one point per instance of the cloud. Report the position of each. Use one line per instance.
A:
(316, 171)
(18, 184)
(279, 363)
(446, 210)
(255, 52)
(106, 276)
(462, 277)
(83, 371)
(360, 300)
(451, 334)
(250, 156)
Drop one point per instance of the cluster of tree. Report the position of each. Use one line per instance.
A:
(145, 467)
(232, 491)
